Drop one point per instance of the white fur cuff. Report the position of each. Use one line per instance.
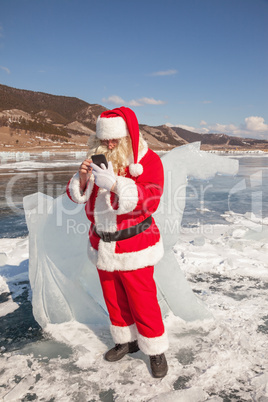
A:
(124, 334)
(127, 192)
(74, 189)
(153, 346)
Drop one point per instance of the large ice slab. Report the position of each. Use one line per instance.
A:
(179, 164)
(58, 263)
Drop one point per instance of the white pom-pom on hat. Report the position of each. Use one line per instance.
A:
(135, 169)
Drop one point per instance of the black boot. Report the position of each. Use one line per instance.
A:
(120, 350)
(159, 365)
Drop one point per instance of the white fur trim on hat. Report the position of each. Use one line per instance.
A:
(124, 334)
(153, 346)
(108, 128)
(135, 169)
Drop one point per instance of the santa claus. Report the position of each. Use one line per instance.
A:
(124, 241)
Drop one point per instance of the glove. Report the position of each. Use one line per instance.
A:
(104, 177)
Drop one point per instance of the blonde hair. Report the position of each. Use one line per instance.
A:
(120, 155)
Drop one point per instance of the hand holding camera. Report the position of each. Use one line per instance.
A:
(104, 175)
(85, 172)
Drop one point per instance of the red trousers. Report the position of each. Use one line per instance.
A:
(131, 300)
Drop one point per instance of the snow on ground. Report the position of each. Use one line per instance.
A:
(224, 359)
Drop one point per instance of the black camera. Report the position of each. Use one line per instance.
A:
(99, 159)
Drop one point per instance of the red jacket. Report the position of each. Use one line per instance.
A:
(135, 199)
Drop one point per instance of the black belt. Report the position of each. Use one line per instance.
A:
(125, 233)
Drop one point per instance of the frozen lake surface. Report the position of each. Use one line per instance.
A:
(206, 200)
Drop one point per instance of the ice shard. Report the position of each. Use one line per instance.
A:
(180, 164)
(58, 262)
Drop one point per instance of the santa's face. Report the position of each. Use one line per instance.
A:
(110, 144)
(116, 151)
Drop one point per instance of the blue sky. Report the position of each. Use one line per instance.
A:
(198, 64)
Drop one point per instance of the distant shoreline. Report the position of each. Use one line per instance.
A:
(21, 141)
(65, 150)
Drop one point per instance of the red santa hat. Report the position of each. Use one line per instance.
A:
(118, 123)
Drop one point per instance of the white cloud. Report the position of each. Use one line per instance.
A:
(230, 129)
(189, 128)
(254, 127)
(151, 101)
(5, 69)
(165, 72)
(114, 99)
(133, 102)
(256, 123)
(117, 100)
(206, 102)
(184, 126)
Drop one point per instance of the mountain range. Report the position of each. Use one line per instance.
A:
(73, 118)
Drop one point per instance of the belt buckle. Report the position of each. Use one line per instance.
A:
(106, 237)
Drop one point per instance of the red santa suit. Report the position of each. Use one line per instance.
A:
(126, 266)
